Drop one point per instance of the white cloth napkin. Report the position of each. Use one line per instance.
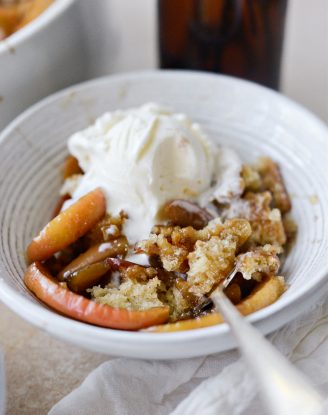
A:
(218, 384)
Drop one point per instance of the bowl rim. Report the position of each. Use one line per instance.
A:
(39, 23)
(31, 311)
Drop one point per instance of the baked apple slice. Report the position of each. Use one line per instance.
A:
(185, 213)
(68, 226)
(96, 253)
(57, 296)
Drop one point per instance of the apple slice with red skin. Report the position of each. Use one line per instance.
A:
(57, 296)
(68, 226)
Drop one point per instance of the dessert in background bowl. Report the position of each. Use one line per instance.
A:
(32, 65)
(15, 14)
(154, 216)
(252, 121)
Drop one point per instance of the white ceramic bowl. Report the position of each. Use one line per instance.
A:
(250, 118)
(42, 57)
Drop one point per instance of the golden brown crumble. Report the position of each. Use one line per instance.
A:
(172, 257)
(173, 244)
(252, 179)
(259, 262)
(266, 223)
(138, 273)
(210, 263)
(190, 261)
(193, 252)
(266, 175)
(109, 228)
(250, 239)
(129, 294)
(272, 180)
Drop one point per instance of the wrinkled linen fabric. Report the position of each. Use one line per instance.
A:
(210, 385)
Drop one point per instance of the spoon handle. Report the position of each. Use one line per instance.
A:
(283, 388)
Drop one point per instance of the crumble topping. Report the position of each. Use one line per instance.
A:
(130, 294)
(195, 248)
(266, 223)
(210, 263)
(259, 262)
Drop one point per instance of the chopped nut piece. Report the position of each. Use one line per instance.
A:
(138, 273)
(165, 230)
(173, 257)
(188, 236)
(185, 213)
(109, 228)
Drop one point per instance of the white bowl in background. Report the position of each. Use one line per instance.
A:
(44, 56)
(250, 118)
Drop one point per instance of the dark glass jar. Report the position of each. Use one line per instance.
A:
(237, 37)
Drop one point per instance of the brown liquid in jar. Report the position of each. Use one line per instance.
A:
(242, 38)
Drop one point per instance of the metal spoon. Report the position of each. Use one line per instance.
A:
(283, 389)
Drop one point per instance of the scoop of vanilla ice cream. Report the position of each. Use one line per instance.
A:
(142, 158)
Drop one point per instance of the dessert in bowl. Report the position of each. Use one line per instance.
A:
(154, 217)
(14, 15)
(189, 245)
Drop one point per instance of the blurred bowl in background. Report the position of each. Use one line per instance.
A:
(42, 57)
